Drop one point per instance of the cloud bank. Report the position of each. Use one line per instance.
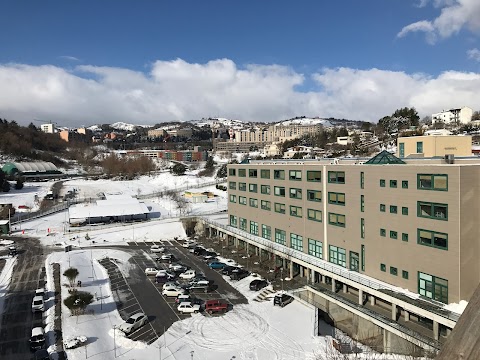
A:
(178, 90)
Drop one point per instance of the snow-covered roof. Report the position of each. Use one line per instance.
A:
(41, 166)
(114, 206)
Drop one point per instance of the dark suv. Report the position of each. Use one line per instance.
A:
(282, 299)
(239, 274)
(258, 284)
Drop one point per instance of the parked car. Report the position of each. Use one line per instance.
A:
(199, 251)
(38, 304)
(227, 270)
(151, 271)
(188, 308)
(258, 284)
(183, 298)
(189, 244)
(41, 354)
(163, 276)
(157, 249)
(198, 301)
(40, 292)
(156, 258)
(37, 339)
(167, 257)
(178, 268)
(189, 274)
(239, 274)
(216, 265)
(282, 299)
(173, 291)
(204, 285)
(170, 284)
(133, 323)
(215, 306)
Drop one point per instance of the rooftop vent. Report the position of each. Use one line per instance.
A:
(449, 158)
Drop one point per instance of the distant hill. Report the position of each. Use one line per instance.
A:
(305, 121)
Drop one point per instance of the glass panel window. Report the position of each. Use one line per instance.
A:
(295, 175)
(383, 232)
(362, 228)
(404, 237)
(295, 193)
(402, 150)
(314, 176)
(354, 261)
(314, 195)
(336, 198)
(393, 234)
(232, 172)
(265, 189)
(295, 211)
(393, 271)
(243, 224)
(315, 215)
(382, 207)
(242, 200)
(266, 232)
(362, 180)
(252, 173)
(233, 198)
(404, 184)
(432, 210)
(253, 188)
(233, 220)
(279, 174)
(404, 210)
(280, 208)
(280, 236)
(433, 287)
(432, 182)
(296, 242)
(362, 203)
(253, 202)
(363, 257)
(336, 219)
(419, 147)
(432, 238)
(253, 228)
(265, 174)
(279, 190)
(315, 248)
(393, 183)
(405, 274)
(232, 185)
(382, 183)
(383, 267)
(242, 172)
(265, 205)
(242, 186)
(393, 209)
(336, 177)
(337, 255)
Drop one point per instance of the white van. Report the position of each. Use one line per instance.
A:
(37, 304)
(37, 340)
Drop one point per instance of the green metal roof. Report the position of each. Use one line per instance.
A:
(384, 158)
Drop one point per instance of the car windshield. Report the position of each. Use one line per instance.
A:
(37, 302)
(130, 321)
(37, 338)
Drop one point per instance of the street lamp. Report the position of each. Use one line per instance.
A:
(114, 345)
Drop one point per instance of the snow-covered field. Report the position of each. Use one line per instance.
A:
(26, 196)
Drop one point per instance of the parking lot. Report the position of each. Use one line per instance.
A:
(137, 292)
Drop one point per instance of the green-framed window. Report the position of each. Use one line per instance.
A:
(393, 183)
(242, 186)
(432, 238)
(354, 261)
(296, 242)
(419, 147)
(393, 271)
(242, 200)
(433, 287)
(232, 185)
(404, 210)
(279, 174)
(401, 149)
(265, 205)
(362, 180)
(362, 203)
(382, 182)
(313, 175)
(253, 227)
(337, 255)
(336, 219)
(393, 209)
(315, 248)
(362, 228)
(295, 193)
(243, 224)
(336, 198)
(233, 220)
(242, 172)
(280, 236)
(393, 234)
(265, 174)
(336, 177)
(295, 175)
(265, 189)
(405, 274)
(266, 232)
(404, 184)
(295, 211)
(383, 232)
(382, 207)
(362, 257)
(405, 237)
(253, 202)
(279, 191)
(315, 215)
(233, 198)
(431, 210)
(280, 208)
(383, 267)
(252, 173)
(314, 195)
(232, 172)
(437, 182)
(253, 188)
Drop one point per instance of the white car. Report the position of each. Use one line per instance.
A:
(170, 284)
(40, 292)
(151, 271)
(133, 323)
(189, 274)
(188, 308)
(37, 304)
(157, 249)
(188, 244)
(173, 291)
(167, 257)
(177, 267)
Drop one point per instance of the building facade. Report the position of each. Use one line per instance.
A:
(453, 116)
(48, 128)
(434, 146)
(411, 224)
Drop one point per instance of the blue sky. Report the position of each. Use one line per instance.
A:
(304, 37)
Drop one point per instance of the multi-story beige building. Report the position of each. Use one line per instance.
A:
(412, 223)
(433, 145)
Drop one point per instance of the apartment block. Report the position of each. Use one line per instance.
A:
(434, 145)
(412, 223)
(453, 116)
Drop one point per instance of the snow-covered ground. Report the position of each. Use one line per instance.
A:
(26, 196)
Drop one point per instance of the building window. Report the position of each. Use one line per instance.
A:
(336, 177)
(295, 175)
(336, 219)
(231, 172)
(362, 203)
(280, 208)
(383, 232)
(404, 210)
(279, 190)
(402, 150)
(354, 261)
(265, 189)
(242, 186)
(295, 193)
(393, 271)
(382, 183)
(432, 238)
(383, 267)
(405, 274)
(242, 200)
(265, 205)
(232, 185)
(253, 188)
(252, 173)
(432, 182)
(296, 242)
(404, 184)
(243, 224)
(337, 255)
(382, 207)
(253, 202)
(363, 257)
(266, 232)
(233, 221)
(393, 235)
(433, 287)
(393, 183)
(265, 174)
(432, 210)
(336, 198)
(296, 211)
(279, 174)
(393, 209)
(253, 228)
(280, 236)
(315, 215)
(404, 237)
(315, 176)
(242, 172)
(315, 248)
(419, 147)
(362, 228)
(314, 195)
(362, 180)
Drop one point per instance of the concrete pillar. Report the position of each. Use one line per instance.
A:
(406, 315)
(394, 312)
(360, 297)
(235, 242)
(291, 269)
(449, 331)
(247, 247)
(345, 288)
(372, 300)
(435, 330)
(387, 340)
(312, 276)
(333, 285)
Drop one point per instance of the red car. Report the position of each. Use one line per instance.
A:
(215, 306)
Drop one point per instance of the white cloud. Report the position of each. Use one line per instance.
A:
(455, 15)
(67, 57)
(474, 54)
(178, 90)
